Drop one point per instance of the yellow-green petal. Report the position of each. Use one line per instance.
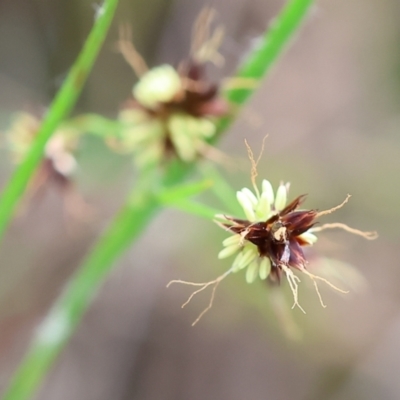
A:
(264, 268)
(235, 239)
(237, 262)
(228, 251)
(250, 195)
(268, 191)
(205, 127)
(263, 210)
(247, 205)
(252, 271)
(309, 237)
(249, 254)
(281, 198)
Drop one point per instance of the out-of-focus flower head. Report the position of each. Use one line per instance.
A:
(172, 110)
(59, 162)
(57, 166)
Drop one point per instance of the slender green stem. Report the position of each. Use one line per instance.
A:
(60, 323)
(59, 109)
(270, 47)
(222, 190)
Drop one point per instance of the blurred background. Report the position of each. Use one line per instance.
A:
(331, 108)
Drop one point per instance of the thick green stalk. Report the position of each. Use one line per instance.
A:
(59, 109)
(55, 330)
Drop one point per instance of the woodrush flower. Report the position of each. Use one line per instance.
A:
(59, 162)
(271, 239)
(173, 110)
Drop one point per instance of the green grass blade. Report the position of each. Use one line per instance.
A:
(271, 46)
(131, 222)
(59, 109)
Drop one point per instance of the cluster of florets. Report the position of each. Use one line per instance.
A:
(270, 242)
(58, 163)
(171, 113)
(173, 110)
(271, 239)
(57, 166)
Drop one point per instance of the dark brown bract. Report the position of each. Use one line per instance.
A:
(279, 237)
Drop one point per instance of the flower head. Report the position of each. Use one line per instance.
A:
(272, 237)
(172, 110)
(269, 241)
(59, 162)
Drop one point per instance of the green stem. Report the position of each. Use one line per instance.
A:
(55, 330)
(59, 109)
(271, 46)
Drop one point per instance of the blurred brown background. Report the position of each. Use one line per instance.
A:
(331, 108)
